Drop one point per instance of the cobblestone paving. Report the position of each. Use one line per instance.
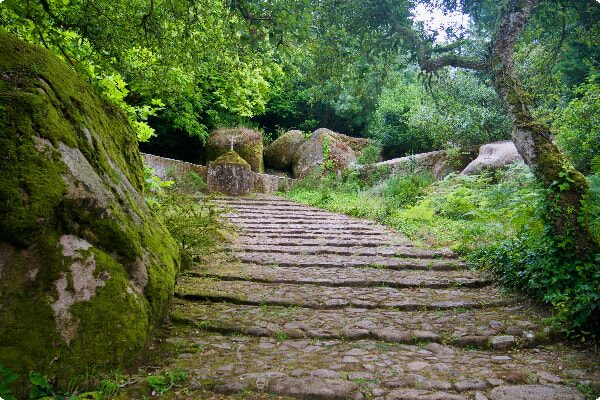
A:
(316, 305)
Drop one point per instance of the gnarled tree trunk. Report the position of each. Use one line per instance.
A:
(566, 186)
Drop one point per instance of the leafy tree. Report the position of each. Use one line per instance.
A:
(567, 187)
(199, 57)
(578, 127)
(458, 109)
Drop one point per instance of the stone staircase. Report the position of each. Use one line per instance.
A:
(312, 304)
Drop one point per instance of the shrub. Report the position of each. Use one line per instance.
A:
(535, 264)
(403, 191)
(195, 222)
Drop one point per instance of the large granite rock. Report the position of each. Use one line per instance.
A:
(86, 269)
(493, 156)
(229, 174)
(247, 143)
(280, 153)
(310, 153)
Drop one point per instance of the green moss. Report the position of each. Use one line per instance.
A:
(116, 321)
(46, 108)
(231, 157)
(247, 143)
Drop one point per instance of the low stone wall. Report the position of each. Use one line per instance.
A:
(436, 162)
(167, 168)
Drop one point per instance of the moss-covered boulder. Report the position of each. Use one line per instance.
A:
(246, 142)
(86, 271)
(323, 148)
(230, 174)
(280, 153)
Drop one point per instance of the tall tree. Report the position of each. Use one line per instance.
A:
(567, 187)
(201, 57)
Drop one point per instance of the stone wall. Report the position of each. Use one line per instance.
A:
(167, 168)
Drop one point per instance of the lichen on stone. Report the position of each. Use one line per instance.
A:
(86, 269)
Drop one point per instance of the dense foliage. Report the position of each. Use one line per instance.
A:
(458, 109)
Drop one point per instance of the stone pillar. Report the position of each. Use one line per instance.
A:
(230, 174)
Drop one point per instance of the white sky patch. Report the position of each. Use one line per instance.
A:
(435, 20)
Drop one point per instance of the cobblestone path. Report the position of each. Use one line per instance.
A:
(316, 305)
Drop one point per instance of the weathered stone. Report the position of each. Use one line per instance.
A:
(473, 341)
(326, 373)
(257, 331)
(406, 381)
(535, 392)
(355, 334)
(549, 377)
(231, 387)
(440, 349)
(354, 376)
(393, 336)
(493, 156)
(310, 153)
(436, 385)
(502, 342)
(280, 153)
(480, 396)
(414, 394)
(417, 365)
(426, 336)
(247, 143)
(438, 163)
(230, 174)
(312, 388)
(86, 270)
(516, 377)
(472, 384)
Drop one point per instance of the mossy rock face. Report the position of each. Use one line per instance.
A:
(230, 174)
(246, 142)
(281, 152)
(86, 271)
(310, 153)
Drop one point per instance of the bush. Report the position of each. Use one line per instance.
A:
(403, 191)
(195, 222)
(532, 262)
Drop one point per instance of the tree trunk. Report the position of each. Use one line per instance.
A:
(567, 187)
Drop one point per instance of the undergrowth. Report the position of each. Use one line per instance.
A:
(192, 218)
(493, 219)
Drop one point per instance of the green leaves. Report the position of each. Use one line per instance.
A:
(579, 127)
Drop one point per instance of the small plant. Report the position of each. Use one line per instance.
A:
(6, 377)
(281, 335)
(165, 382)
(195, 223)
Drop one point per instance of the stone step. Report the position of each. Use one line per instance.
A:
(312, 232)
(280, 215)
(311, 226)
(324, 297)
(494, 328)
(333, 261)
(319, 368)
(348, 241)
(342, 277)
(300, 236)
(319, 310)
(372, 251)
